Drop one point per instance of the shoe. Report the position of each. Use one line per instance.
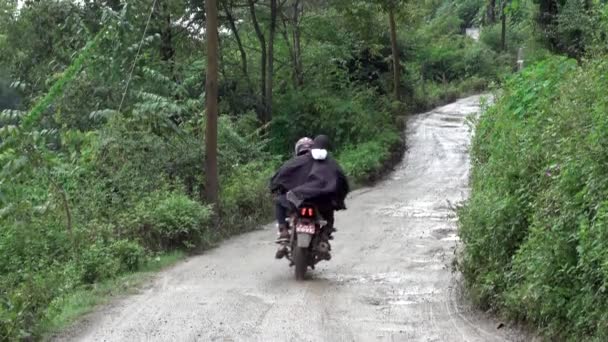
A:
(331, 232)
(281, 252)
(284, 236)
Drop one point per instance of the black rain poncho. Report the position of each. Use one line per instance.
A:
(314, 177)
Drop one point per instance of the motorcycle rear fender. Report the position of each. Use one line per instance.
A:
(304, 240)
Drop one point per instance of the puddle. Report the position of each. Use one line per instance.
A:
(428, 210)
(396, 297)
(451, 237)
(451, 119)
(378, 278)
(442, 233)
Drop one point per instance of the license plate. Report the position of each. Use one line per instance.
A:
(305, 228)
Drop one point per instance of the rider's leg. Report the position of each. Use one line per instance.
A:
(281, 212)
(328, 215)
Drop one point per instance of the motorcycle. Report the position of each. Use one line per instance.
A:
(309, 242)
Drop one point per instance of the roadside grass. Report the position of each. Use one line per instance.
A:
(66, 310)
(534, 228)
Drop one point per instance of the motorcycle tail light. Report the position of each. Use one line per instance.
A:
(307, 212)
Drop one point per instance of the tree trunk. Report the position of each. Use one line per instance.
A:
(503, 32)
(290, 49)
(263, 58)
(211, 88)
(237, 37)
(270, 58)
(293, 45)
(167, 52)
(115, 5)
(396, 66)
(297, 48)
(547, 18)
(66, 207)
(491, 12)
(548, 10)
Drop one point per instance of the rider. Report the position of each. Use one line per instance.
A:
(333, 188)
(313, 176)
(282, 205)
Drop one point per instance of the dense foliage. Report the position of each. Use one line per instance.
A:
(102, 123)
(534, 228)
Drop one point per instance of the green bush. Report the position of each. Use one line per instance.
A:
(245, 196)
(444, 62)
(470, 12)
(97, 263)
(534, 228)
(428, 95)
(517, 35)
(491, 37)
(480, 61)
(361, 162)
(40, 262)
(165, 220)
(22, 306)
(451, 67)
(129, 254)
(349, 116)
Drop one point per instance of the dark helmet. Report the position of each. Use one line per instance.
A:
(303, 145)
(322, 142)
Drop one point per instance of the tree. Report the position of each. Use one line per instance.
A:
(395, 49)
(503, 31)
(548, 10)
(568, 25)
(298, 10)
(211, 91)
(270, 68)
(8, 97)
(390, 7)
(491, 12)
(235, 31)
(266, 57)
(263, 60)
(296, 47)
(167, 51)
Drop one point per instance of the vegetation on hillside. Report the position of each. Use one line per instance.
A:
(103, 125)
(534, 229)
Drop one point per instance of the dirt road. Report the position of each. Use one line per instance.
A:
(390, 278)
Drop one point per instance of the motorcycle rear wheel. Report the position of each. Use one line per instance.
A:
(301, 262)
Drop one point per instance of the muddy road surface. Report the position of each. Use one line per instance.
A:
(390, 278)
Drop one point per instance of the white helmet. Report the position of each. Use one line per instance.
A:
(303, 145)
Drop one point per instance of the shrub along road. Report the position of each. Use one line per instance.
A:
(390, 278)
